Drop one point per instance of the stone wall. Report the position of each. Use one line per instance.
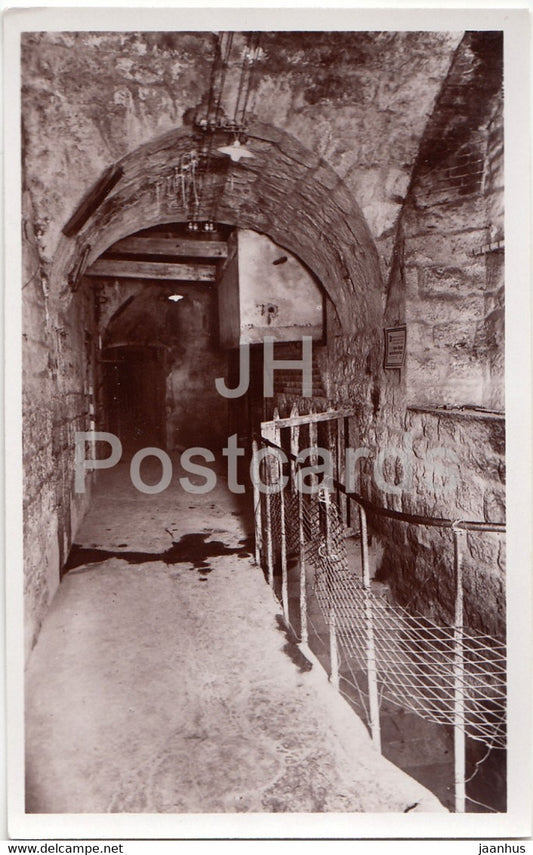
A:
(451, 235)
(361, 101)
(58, 377)
(446, 284)
(429, 462)
(446, 448)
(453, 466)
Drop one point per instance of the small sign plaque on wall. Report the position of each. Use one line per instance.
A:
(395, 343)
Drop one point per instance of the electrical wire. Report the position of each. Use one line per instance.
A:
(479, 763)
(35, 245)
(207, 183)
(225, 64)
(241, 83)
(252, 72)
(216, 57)
(32, 277)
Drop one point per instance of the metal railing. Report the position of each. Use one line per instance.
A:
(445, 674)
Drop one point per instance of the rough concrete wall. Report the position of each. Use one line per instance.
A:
(358, 100)
(434, 462)
(454, 285)
(85, 103)
(361, 101)
(197, 414)
(452, 301)
(89, 98)
(493, 342)
(277, 295)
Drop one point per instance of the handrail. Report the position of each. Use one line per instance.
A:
(401, 516)
(458, 709)
(278, 423)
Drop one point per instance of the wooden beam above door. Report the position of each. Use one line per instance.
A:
(152, 270)
(171, 246)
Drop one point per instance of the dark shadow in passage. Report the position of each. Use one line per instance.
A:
(192, 549)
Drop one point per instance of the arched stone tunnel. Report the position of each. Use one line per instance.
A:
(376, 168)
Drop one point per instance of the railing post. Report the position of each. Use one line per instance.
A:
(276, 430)
(268, 506)
(341, 470)
(313, 443)
(370, 641)
(332, 617)
(304, 635)
(258, 523)
(333, 648)
(284, 577)
(294, 441)
(459, 740)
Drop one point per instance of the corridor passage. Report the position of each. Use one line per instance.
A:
(163, 680)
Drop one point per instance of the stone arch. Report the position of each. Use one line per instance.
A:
(286, 192)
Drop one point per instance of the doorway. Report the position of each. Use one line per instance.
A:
(134, 395)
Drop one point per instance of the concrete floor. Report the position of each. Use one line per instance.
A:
(163, 680)
(421, 748)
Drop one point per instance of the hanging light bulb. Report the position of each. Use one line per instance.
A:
(236, 150)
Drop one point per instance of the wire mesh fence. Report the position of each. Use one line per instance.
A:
(415, 659)
(442, 673)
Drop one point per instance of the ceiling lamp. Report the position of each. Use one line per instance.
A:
(198, 181)
(175, 297)
(236, 150)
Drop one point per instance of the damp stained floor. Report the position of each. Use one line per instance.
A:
(193, 548)
(164, 679)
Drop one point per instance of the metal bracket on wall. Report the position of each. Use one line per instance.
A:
(495, 246)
